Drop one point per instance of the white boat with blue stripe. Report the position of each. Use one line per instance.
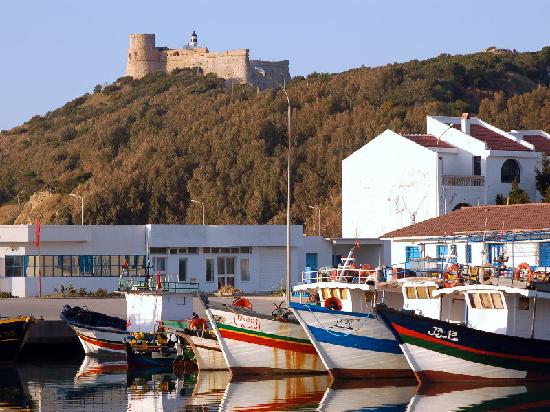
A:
(351, 341)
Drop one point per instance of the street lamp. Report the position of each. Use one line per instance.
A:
(319, 217)
(289, 111)
(202, 204)
(82, 207)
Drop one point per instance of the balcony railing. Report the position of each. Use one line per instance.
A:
(463, 180)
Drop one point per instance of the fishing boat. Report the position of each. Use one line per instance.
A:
(13, 332)
(338, 319)
(209, 389)
(99, 334)
(258, 344)
(484, 333)
(201, 337)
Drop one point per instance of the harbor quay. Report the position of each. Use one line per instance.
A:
(49, 330)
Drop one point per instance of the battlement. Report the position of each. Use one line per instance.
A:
(145, 57)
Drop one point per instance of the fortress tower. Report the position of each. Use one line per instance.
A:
(145, 57)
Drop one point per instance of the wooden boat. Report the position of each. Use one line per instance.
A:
(202, 340)
(351, 341)
(257, 344)
(501, 334)
(209, 389)
(150, 357)
(99, 334)
(13, 332)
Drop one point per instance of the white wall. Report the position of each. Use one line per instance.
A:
(527, 167)
(384, 183)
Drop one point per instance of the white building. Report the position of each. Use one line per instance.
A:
(478, 235)
(396, 180)
(252, 258)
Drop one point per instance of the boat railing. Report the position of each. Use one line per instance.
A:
(151, 285)
(347, 275)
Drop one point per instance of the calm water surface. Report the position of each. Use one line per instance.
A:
(88, 385)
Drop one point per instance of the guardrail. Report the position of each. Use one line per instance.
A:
(450, 180)
(347, 275)
(150, 285)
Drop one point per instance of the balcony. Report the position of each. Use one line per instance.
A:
(450, 180)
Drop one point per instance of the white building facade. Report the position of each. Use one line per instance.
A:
(251, 258)
(396, 180)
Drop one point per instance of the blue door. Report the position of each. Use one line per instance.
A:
(544, 254)
(311, 261)
(495, 250)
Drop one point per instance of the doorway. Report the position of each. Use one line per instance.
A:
(182, 270)
(226, 271)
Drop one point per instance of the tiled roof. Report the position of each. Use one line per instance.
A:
(494, 140)
(427, 140)
(541, 143)
(529, 216)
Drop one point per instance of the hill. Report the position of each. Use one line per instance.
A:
(140, 150)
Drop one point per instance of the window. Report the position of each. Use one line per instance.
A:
(234, 250)
(159, 264)
(225, 250)
(486, 300)
(182, 270)
(192, 250)
(245, 249)
(226, 271)
(442, 251)
(205, 250)
(411, 293)
(523, 303)
(15, 265)
(468, 253)
(412, 252)
(209, 274)
(175, 251)
(245, 270)
(477, 166)
(422, 292)
(510, 171)
(311, 261)
(157, 250)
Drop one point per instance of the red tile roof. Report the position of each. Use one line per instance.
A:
(541, 143)
(427, 140)
(494, 140)
(531, 216)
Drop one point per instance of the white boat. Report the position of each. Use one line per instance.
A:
(210, 388)
(351, 341)
(202, 340)
(257, 344)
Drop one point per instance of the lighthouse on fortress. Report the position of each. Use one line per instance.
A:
(144, 57)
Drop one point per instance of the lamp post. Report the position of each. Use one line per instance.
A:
(318, 217)
(202, 204)
(289, 112)
(82, 207)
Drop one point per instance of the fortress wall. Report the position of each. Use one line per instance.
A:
(228, 65)
(276, 70)
(143, 56)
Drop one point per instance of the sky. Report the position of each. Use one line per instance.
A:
(54, 51)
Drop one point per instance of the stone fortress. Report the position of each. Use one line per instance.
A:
(235, 66)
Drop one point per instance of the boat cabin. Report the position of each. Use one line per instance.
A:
(498, 309)
(418, 295)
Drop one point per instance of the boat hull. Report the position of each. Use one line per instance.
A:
(208, 353)
(252, 344)
(101, 343)
(12, 336)
(352, 344)
(440, 351)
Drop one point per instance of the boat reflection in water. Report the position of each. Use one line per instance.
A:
(370, 394)
(295, 392)
(13, 394)
(210, 388)
(454, 397)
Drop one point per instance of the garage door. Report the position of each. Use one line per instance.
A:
(272, 267)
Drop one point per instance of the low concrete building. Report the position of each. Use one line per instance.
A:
(480, 235)
(251, 257)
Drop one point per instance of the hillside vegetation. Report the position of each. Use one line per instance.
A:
(140, 150)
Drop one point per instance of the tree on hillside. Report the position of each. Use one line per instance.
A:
(542, 176)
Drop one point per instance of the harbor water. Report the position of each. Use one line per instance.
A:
(89, 385)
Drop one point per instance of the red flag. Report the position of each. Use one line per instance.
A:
(37, 235)
(357, 244)
(159, 285)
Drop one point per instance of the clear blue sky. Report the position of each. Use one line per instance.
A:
(53, 51)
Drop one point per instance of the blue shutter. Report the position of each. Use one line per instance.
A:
(495, 250)
(544, 253)
(412, 252)
(442, 251)
(468, 253)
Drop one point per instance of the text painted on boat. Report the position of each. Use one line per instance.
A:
(440, 333)
(350, 323)
(246, 322)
